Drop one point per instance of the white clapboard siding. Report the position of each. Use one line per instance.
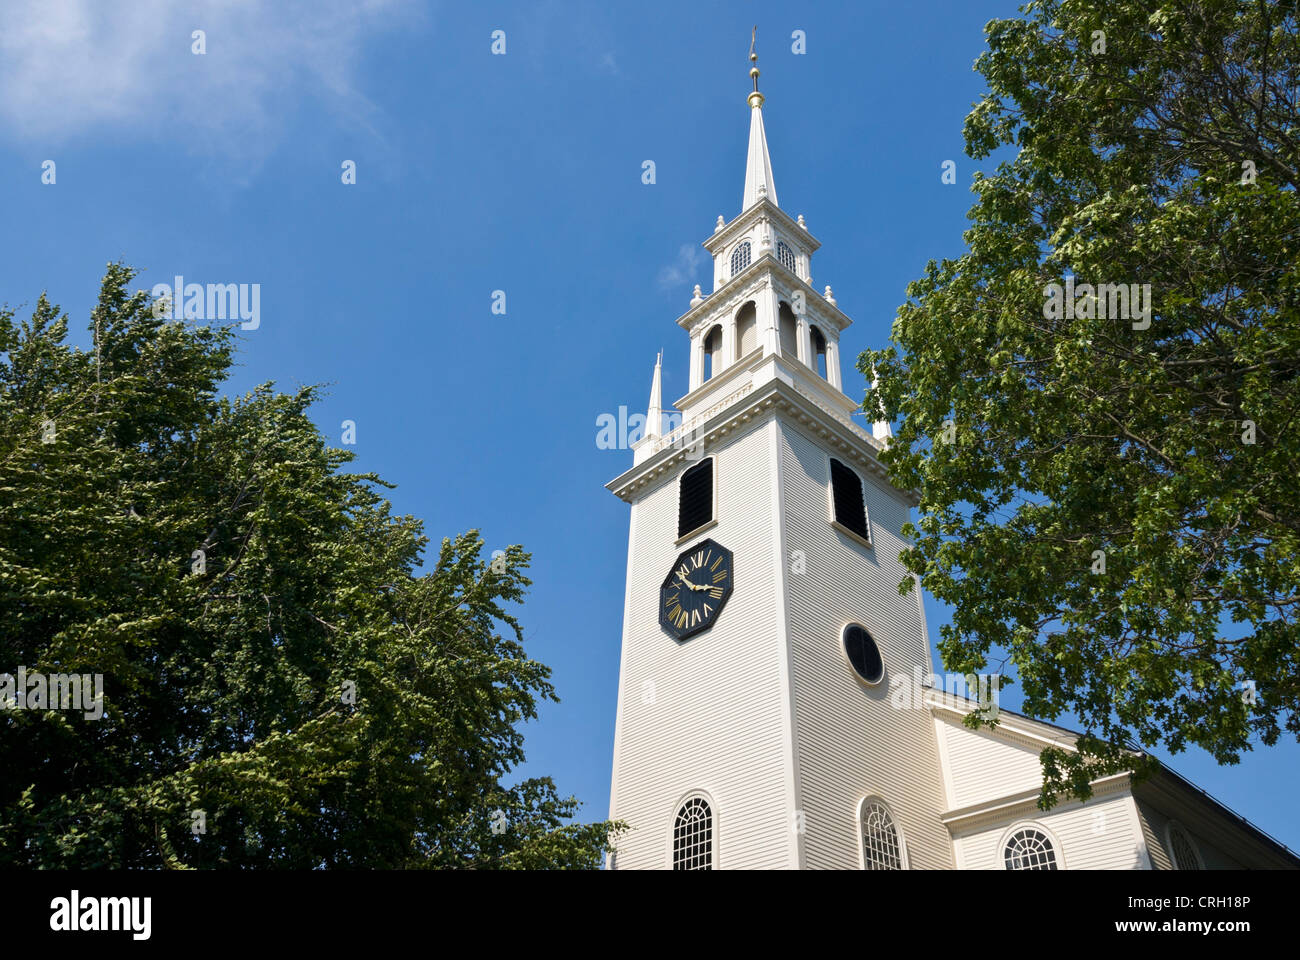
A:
(1153, 824)
(851, 741)
(983, 766)
(716, 723)
(1102, 834)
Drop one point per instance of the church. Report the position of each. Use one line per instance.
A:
(764, 636)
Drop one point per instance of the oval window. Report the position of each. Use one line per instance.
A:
(863, 653)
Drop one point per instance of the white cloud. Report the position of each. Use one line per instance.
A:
(82, 68)
(682, 271)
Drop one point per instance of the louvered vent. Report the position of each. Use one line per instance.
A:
(850, 512)
(695, 503)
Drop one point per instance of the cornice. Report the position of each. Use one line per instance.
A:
(1022, 731)
(773, 398)
(731, 231)
(743, 286)
(732, 376)
(1177, 797)
(1022, 804)
(731, 294)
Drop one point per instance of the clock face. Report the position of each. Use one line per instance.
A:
(696, 589)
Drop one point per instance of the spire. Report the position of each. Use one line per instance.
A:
(758, 166)
(655, 417)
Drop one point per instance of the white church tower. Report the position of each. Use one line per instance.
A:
(762, 621)
(774, 706)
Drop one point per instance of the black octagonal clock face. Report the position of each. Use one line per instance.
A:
(696, 589)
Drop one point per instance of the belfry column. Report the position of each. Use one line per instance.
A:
(766, 312)
(805, 341)
(833, 362)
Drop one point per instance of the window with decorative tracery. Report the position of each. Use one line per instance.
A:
(740, 258)
(1029, 849)
(785, 255)
(1182, 850)
(880, 847)
(693, 836)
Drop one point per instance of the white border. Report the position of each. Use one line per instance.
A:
(778, 443)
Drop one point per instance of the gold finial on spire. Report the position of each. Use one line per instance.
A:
(755, 98)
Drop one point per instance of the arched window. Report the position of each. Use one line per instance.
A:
(785, 255)
(789, 328)
(713, 353)
(693, 836)
(1029, 849)
(860, 647)
(1182, 851)
(740, 258)
(695, 498)
(746, 329)
(849, 508)
(819, 352)
(881, 849)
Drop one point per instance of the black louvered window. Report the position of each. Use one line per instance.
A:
(850, 511)
(695, 503)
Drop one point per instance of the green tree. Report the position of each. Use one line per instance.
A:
(275, 669)
(1112, 505)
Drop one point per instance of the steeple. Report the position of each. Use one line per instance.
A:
(655, 416)
(758, 165)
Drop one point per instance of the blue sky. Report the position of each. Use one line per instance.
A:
(477, 173)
